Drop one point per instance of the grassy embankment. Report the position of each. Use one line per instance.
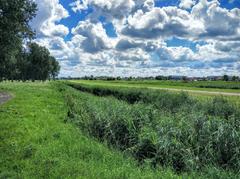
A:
(162, 128)
(39, 140)
(37, 143)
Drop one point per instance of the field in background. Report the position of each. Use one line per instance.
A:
(176, 86)
(215, 86)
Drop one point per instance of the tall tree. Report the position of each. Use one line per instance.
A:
(39, 62)
(235, 78)
(15, 16)
(22, 66)
(54, 68)
(41, 66)
(225, 78)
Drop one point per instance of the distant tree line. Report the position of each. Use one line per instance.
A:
(20, 59)
(160, 77)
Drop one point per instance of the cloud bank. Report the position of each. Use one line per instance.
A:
(195, 38)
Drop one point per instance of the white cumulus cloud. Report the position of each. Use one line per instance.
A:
(49, 13)
(187, 4)
(142, 29)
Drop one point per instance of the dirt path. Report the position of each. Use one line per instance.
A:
(185, 90)
(4, 97)
(199, 91)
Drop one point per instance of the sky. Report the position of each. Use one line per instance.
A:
(141, 37)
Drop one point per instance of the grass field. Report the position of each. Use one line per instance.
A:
(161, 85)
(215, 86)
(50, 130)
(37, 143)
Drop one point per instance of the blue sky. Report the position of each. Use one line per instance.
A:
(74, 18)
(141, 37)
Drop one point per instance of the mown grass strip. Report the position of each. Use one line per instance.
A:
(197, 84)
(163, 85)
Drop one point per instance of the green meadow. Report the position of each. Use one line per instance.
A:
(212, 86)
(174, 86)
(75, 130)
(126, 127)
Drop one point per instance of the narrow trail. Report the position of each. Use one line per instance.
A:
(173, 89)
(4, 97)
(198, 91)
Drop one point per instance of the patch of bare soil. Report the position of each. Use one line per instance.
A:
(4, 97)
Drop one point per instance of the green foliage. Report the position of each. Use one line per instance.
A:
(169, 84)
(41, 66)
(54, 67)
(15, 62)
(14, 27)
(164, 100)
(36, 64)
(225, 77)
(36, 143)
(45, 145)
(167, 129)
(219, 106)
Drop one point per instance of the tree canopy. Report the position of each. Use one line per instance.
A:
(41, 65)
(16, 61)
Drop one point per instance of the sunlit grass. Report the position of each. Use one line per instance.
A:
(124, 84)
(37, 143)
(167, 129)
(163, 84)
